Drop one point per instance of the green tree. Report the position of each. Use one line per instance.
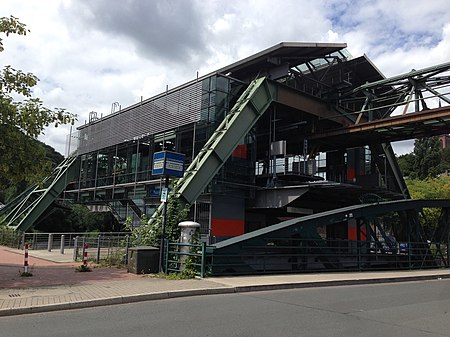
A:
(406, 163)
(22, 119)
(430, 188)
(445, 162)
(427, 157)
(151, 234)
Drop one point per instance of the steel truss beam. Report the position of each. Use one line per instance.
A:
(26, 211)
(382, 97)
(238, 122)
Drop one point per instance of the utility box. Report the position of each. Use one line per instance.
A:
(143, 260)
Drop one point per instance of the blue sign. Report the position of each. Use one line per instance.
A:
(168, 163)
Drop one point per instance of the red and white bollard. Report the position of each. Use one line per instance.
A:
(85, 254)
(25, 260)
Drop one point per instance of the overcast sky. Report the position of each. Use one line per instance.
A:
(89, 54)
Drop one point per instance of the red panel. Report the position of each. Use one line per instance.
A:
(353, 233)
(225, 227)
(240, 151)
(351, 174)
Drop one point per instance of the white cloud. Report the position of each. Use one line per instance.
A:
(89, 54)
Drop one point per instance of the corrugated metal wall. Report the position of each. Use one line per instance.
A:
(177, 108)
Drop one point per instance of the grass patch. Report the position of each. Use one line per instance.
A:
(185, 275)
(113, 261)
(26, 274)
(83, 269)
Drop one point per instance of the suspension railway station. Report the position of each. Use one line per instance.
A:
(288, 163)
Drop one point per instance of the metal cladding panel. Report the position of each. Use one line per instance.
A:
(152, 116)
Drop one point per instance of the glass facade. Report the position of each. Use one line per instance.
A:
(123, 170)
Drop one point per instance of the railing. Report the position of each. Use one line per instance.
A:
(101, 245)
(288, 255)
(185, 256)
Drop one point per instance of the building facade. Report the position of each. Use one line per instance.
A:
(277, 170)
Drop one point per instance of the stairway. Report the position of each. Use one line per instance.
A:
(25, 210)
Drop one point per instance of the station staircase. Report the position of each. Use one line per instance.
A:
(25, 210)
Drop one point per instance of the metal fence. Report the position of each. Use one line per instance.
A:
(298, 255)
(100, 245)
(185, 256)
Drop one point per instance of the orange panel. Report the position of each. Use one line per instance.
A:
(225, 227)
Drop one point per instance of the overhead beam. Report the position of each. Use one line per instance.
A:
(428, 123)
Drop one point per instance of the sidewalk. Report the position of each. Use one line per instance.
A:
(56, 285)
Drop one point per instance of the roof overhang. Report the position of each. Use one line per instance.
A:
(290, 53)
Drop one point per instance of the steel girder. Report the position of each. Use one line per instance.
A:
(26, 211)
(251, 105)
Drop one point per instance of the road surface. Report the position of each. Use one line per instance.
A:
(400, 309)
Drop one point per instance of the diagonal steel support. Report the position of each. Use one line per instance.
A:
(26, 211)
(243, 116)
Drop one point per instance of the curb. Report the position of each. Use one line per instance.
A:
(337, 283)
(209, 291)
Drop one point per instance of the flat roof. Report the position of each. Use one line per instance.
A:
(293, 53)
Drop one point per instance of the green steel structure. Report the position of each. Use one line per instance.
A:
(296, 133)
(22, 213)
(296, 245)
(253, 102)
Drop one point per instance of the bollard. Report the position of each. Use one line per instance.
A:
(75, 248)
(127, 247)
(25, 260)
(98, 249)
(85, 254)
(50, 242)
(61, 250)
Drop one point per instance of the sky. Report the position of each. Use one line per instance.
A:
(89, 54)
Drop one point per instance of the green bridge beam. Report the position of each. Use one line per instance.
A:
(25, 212)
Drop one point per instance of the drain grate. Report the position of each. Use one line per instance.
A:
(14, 295)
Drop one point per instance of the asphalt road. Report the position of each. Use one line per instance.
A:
(402, 309)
